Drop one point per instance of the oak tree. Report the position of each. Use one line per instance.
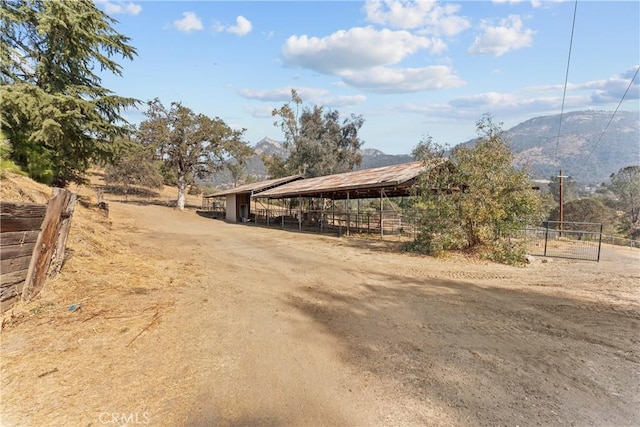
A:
(135, 166)
(474, 197)
(190, 145)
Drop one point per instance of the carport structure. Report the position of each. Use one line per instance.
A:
(312, 204)
(234, 205)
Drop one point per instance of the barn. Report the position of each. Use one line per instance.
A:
(367, 201)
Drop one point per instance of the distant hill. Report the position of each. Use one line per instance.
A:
(582, 151)
(372, 158)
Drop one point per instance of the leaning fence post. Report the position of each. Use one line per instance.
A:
(46, 244)
(63, 233)
(546, 237)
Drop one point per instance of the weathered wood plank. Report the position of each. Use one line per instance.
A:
(11, 291)
(12, 224)
(19, 237)
(6, 305)
(24, 210)
(57, 258)
(18, 276)
(46, 243)
(14, 264)
(16, 251)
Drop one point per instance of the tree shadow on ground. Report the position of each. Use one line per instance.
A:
(155, 202)
(210, 214)
(120, 190)
(484, 355)
(375, 243)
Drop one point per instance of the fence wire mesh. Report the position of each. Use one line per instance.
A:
(574, 240)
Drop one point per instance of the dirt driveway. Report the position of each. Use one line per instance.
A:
(253, 326)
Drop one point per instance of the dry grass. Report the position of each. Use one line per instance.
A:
(18, 188)
(99, 270)
(165, 196)
(105, 300)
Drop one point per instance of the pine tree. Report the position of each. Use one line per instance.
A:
(56, 113)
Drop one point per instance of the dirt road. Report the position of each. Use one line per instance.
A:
(268, 327)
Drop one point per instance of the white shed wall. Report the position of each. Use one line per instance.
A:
(231, 208)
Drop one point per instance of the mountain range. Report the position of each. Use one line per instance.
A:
(588, 146)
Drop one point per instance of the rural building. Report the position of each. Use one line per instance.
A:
(337, 202)
(234, 205)
(366, 201)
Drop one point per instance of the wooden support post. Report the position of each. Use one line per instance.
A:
(322, 214)
(63, 233)
(381, 210)
(348, 209)
(299, 213)
(46, 243)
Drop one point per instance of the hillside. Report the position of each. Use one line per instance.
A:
(583, 151)
(372, 158)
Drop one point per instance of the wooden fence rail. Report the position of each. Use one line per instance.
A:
(32, 244)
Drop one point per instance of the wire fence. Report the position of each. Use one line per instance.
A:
(386, 223)
(574, 240)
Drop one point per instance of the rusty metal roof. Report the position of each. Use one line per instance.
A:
(395, 180)
(256, 187)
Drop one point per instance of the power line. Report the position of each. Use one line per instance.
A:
(610, 120)
(566, 77)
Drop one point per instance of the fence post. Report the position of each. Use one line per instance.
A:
(599, 243)
(546, 237)
(46, 244)
(58, 253)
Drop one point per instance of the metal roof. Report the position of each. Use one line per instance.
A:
(256, 187)
(395, 180)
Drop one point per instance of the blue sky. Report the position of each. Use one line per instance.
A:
(411, 69)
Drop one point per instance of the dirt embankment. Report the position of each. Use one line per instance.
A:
(195, 322)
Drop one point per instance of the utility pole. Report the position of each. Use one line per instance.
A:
(561, 201)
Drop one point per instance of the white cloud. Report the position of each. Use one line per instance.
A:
(355, 49)
(260, 111)
(362, 57)
(428, 15)
(120, 7)
(498, 40)
(514, 104)
(611, 90)
(534, 3)
(606, 91)
(309, 95)
(342, 101)
(283, 94)
(242, 28)
(189, 22)
(531, 101)
(390, 80)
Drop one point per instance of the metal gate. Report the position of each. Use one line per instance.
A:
(574, 240)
